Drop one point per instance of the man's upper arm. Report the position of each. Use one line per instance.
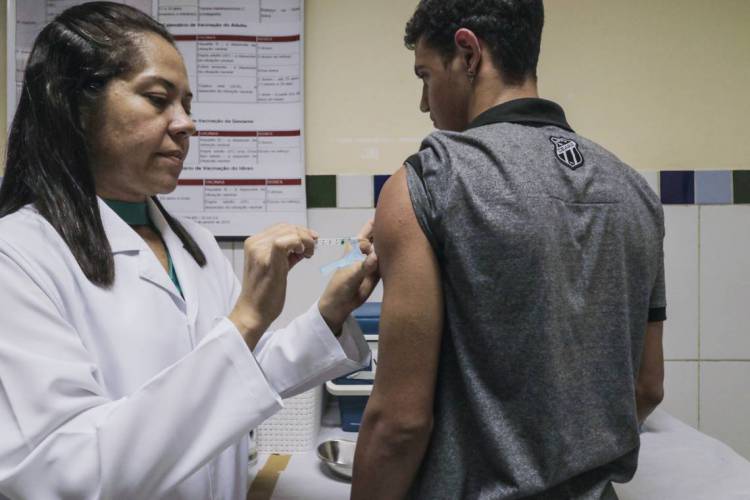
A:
(412, 312)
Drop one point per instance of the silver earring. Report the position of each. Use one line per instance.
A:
(471, 76)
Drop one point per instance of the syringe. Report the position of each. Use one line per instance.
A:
(333, 242)
(338, 242)
(354, 253)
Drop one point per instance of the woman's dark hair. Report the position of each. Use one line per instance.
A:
(511, 28)
(72, 61)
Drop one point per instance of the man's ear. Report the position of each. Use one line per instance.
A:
(470, 50)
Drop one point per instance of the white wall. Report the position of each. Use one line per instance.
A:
(707, 333)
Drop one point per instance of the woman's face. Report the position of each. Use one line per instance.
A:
(139, 135)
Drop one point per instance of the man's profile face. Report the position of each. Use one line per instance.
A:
(445, 88)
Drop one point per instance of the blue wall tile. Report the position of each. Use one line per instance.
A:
(378, 181)
(713, 187)
(677, 187)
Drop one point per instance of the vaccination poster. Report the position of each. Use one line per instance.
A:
(245, 169)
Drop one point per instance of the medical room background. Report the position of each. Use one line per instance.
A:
(664, 85)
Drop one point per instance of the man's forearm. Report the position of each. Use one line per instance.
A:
(387, 458)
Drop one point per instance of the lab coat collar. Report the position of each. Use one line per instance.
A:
(181, 259)
(123, 239)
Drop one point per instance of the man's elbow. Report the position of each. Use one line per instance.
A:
(399, 432)
(650, 394)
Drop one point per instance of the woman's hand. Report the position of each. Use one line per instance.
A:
(268, 258)
(350, 286)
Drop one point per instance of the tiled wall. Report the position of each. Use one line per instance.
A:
(707, 259)
(676, 187)
(343, 191)
(707, 334)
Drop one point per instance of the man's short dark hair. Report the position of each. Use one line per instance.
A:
(511, 28)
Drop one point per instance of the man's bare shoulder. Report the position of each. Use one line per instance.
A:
(394, 215)
(412, 292)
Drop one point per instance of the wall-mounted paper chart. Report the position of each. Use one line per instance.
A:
(245, 170)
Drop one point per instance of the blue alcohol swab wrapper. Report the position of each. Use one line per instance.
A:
(355, 255)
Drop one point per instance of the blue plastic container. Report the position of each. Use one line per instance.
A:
(352, 408)
(368, 317)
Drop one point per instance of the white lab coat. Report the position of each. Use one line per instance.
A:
(132, 392)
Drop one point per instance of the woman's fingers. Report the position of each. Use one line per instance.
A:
(288, 239)
(308, 238)
(371, 276)
(289, 242)
(365, 232)
(364, 236)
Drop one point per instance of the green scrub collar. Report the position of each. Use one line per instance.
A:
(136, 214)
(133, 213)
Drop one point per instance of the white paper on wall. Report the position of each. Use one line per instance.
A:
(245, 170)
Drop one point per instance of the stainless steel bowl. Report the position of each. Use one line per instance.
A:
(338, 455)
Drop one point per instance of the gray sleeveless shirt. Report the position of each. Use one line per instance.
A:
(551, 254)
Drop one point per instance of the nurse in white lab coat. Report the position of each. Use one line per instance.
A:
(132, 362)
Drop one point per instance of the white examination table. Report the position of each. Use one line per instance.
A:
(676, 462)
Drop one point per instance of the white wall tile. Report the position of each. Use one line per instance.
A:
(681, 275)
(227, 248)
(725, 403)
(239, 258)
(336, 222)
(725, 282)
(681, 390)
(232, 250)
(652, 177)
(354, 191)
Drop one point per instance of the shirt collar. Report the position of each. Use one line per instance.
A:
(133, 213)
(121, 236)
(528, 110)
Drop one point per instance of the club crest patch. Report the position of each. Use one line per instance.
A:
(567, 152)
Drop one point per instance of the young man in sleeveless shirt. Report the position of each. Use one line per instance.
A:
(521, 330)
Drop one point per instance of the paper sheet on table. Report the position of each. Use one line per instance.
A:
(678, 462)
